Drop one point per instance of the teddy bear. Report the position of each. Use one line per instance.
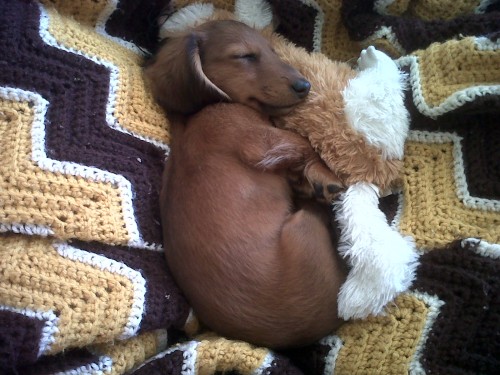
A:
(356, 120)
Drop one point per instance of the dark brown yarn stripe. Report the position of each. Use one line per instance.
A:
(465, 338)
(19, 339)
(170, 364)
(412, 33)
(66, 361)
(136, 21)
(77, 90)
(311, 359)
(283, 366)
(389, 206)
(296, 21)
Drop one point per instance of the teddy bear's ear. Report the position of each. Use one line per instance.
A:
(257, 14)
(188, 17)
(176, 76)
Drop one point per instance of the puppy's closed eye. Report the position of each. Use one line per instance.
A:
(250, 56)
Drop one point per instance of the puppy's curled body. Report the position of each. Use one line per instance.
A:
(254, 263)
(252, 266)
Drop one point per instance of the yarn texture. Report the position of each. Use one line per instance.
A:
(84, 287)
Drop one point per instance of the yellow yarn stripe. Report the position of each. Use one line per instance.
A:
(57, 201)
(219, 354)
(452, 66)
(433, 214)
(130, 353)
(443, 9)
(397, 7)
(336, 43)
(84, 11)
(92, 305)
(382, 345)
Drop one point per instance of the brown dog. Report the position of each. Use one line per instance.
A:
(254, 264)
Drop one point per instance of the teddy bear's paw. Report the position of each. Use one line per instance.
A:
(371, 58)
(361, 297)
(373, 283)
(357, 300)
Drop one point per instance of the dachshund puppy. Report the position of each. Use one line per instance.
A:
(256, 263)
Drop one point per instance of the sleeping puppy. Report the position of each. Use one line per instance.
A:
(255, 262)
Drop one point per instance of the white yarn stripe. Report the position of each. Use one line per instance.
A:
(115, 267)
(335, 344)
(483, 4)
(399, 212)
(483, 248)
(484, 44)
(454, 101)
(385, 32)
(29, 229)
(265, 365)
(49, 330)
(462, 189)
(40, 157)
(396, 221)
(103, 366)
(189, 354)
(434, 305)
(100, 27)
(380, 6)
(113, 84)
(318, 24)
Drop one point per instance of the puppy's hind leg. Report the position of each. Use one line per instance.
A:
(312, 273)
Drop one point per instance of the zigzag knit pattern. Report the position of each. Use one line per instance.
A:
(84, 288)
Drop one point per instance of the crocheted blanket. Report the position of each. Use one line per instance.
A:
(84, 287)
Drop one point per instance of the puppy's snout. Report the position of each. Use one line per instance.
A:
(301, 87)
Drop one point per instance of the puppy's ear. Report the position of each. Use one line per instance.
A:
(177, 79)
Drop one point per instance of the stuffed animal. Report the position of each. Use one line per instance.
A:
(357, 122)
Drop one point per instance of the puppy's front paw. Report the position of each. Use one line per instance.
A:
(372, 58)
(326, 186)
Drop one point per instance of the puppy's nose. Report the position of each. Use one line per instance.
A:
(301, 87)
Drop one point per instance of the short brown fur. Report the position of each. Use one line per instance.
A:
(211, 63)
(253, 263)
